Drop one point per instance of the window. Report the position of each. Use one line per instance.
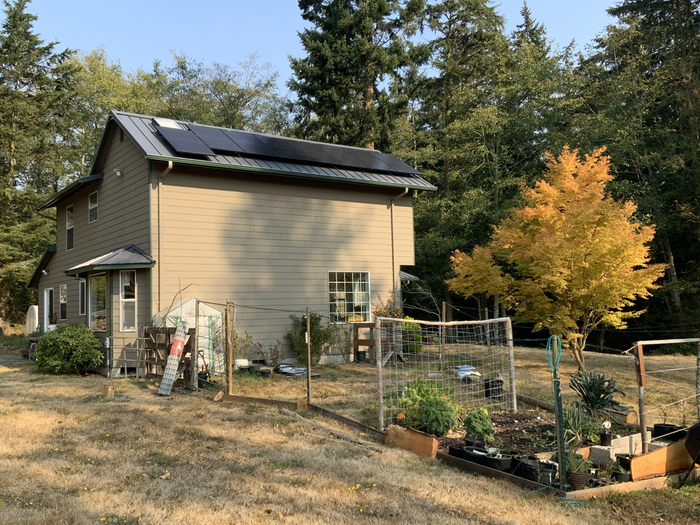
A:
(49, 315)
(69, 228)
(127, 301)
(63, 302)
(98, 302)
(82, 296)
(349, 296)
(92, 207)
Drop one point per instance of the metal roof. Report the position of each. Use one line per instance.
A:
(43, 263)
(71, 189)
(405, 276)
(126, 257)
(154, 147)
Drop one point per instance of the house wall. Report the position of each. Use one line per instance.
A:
(269, 242)
(122, 220)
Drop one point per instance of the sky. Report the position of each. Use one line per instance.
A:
(135, 32)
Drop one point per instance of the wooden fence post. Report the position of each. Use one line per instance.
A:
(511, 366)
(697, 382)
(380, 383)
(194, 358)
(642, 381)
(308, 355)
(229, 351)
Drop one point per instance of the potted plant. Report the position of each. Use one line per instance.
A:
(605, 434)
(620, 474)
(478, 427)
(577, 469)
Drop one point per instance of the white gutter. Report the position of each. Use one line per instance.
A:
(394, 271)
(160, 258)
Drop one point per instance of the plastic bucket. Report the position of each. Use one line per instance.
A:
(240, 363)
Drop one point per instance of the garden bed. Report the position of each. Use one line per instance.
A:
(528, 432)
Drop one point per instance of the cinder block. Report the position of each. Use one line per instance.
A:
(629, 444)
(602, 455)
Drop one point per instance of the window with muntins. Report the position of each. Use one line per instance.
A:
(98, 302)
(348, 294)
(128, 301)
(69, 228)
(92, 207)
(63, 302)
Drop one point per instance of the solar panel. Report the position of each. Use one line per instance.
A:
(215, 138)
(184, 141)
(240, 142)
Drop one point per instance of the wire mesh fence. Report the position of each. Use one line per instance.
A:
(470, 362)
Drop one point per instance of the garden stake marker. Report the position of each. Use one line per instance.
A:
(556, 385)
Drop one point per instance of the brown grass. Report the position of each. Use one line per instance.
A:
(67, 455)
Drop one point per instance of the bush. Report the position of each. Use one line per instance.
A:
(595, 391)
(408, 398)
(478, 424)
(69, 348)
(412, 335)
(436, 416)
(320, 337)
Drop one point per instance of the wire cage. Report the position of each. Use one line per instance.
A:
(470, 362)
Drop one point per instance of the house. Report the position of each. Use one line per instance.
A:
(273, 224)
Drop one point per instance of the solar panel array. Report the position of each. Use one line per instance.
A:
(204, 140)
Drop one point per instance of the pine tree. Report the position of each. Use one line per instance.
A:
(353, 46)
(36, 114)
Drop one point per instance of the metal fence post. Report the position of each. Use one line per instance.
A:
(194, 357)
(308, 355)
(378, 358)
(511, 366)
(229, 351)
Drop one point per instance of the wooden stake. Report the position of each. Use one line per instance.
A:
(697, 382)
(308, 355)
(380, 384)
(194, 371)
(229, 351)
(511, 367)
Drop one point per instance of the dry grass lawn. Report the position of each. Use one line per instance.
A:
(67, 455)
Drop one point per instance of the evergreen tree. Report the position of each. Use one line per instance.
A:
(36, 157)
(352, 47)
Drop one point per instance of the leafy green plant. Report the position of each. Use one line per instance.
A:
(576, 463)
(616, 467)
(576, 422)
(436, 416)
(478, 424)
(407, 398)
(596, 392)
(69, 348)
(320, 337)
(412, 336)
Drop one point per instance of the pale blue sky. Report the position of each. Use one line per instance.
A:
(135, 32)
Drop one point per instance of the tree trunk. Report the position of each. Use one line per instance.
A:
(368, 101)
(576, 347)
(671, 273)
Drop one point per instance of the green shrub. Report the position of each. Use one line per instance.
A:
(595, 391)
(320, 337)
(436, 416)
(576, 463)
(478, 425)
(576, 422)
(407, 398)
(69, 348)
(412, 336)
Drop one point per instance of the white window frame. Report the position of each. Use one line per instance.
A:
(47, 303)
(122, 301)
(71, 227)
(349, 314)
(88, 301)
(95, 207)
(61, 302)
(82, 297)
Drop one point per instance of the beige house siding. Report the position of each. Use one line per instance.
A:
(269, 242)
(122, 220)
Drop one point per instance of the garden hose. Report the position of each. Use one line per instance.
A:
(553, 357)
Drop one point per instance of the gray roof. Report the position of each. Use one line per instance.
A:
(71, 189)
(405, 276)
(154, 147)
(127, 257)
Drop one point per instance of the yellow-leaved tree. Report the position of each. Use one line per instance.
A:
(570, 260)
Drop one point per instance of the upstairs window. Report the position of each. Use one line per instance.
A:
(69, 228)
(92, 207)
(349, 296)
(63, 300)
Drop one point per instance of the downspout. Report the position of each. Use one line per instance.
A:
(394, 273)
(159, 261)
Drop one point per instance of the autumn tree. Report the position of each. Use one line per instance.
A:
(571, 259)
